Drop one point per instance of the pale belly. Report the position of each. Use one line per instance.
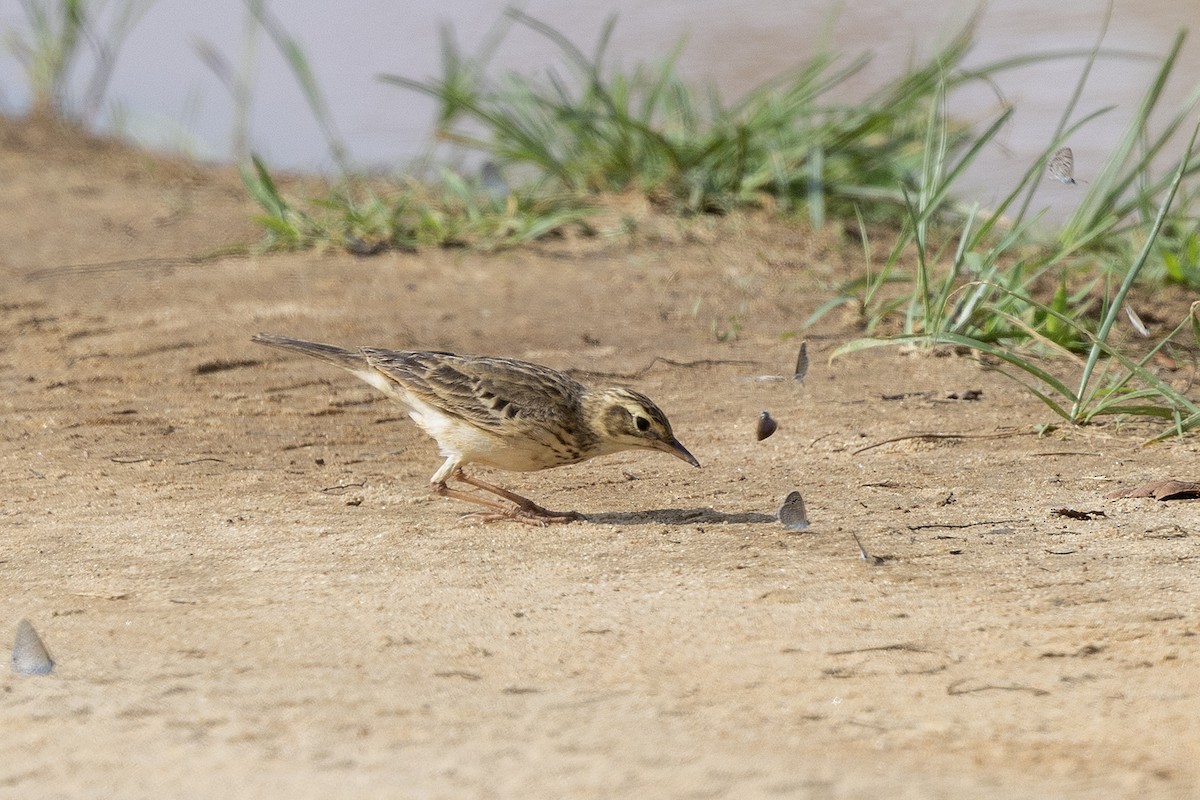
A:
(469, 445)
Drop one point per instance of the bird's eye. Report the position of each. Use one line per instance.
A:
(641, 423)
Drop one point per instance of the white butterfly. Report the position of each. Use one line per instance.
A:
(1062, 165)
(1136, 321)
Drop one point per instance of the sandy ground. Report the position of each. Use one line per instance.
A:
(234, 558)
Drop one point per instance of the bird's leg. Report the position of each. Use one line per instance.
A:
(523, 503)
(501, 511)
(442, 490)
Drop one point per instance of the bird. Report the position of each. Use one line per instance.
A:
(503, 413)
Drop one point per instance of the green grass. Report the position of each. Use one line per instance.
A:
(239, 82)
(369, 218)
(986, 283)
(62, 36)
(791, 143)
(583, 131)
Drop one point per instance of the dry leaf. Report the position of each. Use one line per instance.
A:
(1159, 490)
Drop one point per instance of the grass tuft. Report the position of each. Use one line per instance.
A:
(368, 219)
(993, 289)
(61, 36)
(789, 144)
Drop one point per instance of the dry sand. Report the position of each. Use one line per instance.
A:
(235, 560)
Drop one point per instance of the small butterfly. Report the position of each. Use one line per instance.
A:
(802, 362)
(766, 426)
(1136, 321)
(1062, 165)
(792, 513)
(864, 555)
(29, 656)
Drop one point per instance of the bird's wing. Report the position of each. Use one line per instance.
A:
(487, 392)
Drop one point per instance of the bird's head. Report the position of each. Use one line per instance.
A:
(625, 420)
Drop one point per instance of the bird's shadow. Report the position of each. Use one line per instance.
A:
(677, 516)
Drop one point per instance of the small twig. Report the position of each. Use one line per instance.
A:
(703, 362)
(819, 438)
(344, 486)
(1005, 435)
(964, 525)
(905, 646)
(953, 689)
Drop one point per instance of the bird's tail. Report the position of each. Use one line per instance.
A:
(352, 360)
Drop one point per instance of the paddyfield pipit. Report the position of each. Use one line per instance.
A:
(503, 413)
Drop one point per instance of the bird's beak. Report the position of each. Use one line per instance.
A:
(679, 451)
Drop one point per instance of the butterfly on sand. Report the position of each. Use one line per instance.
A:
(29, 656)
(802, 362)
(792, 513)
(766, 426)
(864, 555)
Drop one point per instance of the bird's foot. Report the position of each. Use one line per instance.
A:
(522, 510)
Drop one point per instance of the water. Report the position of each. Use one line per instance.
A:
(165, 96)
